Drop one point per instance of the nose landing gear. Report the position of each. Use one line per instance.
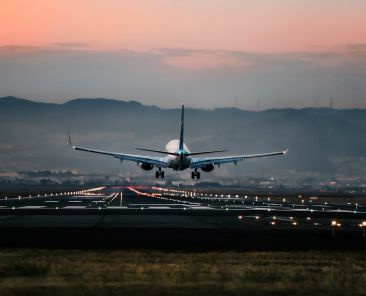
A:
(195, 174)
(159, 173)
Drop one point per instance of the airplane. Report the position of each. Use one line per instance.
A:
(177, 157)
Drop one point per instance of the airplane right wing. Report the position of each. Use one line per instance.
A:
(201, 162)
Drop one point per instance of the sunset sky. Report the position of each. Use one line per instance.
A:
(281, 53)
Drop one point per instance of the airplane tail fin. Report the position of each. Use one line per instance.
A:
(181, 138)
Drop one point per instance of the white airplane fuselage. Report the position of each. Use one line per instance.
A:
(181, 162)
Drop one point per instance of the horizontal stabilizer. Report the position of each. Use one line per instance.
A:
(157, 151)
(206, 152)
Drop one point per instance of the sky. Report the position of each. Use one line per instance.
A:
(206, 53)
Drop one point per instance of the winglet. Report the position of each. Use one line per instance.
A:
(68, 132)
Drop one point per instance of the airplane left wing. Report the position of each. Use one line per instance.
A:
(200, 162)
(156, 161)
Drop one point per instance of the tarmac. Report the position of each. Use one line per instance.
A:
(164, 217)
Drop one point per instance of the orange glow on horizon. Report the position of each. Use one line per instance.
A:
(282, 25)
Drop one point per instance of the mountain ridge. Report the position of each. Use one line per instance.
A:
(19, 100)
(321, 142)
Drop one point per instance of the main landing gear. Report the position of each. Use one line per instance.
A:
(195, 174)
(159, 173)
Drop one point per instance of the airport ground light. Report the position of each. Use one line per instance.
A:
(334, 224)
(363, 226)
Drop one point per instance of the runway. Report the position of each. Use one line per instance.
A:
(140, 215)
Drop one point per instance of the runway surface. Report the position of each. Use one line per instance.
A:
(144, 214)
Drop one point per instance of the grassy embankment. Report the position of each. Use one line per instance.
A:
(119, 272)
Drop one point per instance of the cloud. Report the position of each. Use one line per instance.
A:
(204, 60)
(16, 50)
(199, 77)
(71, 44)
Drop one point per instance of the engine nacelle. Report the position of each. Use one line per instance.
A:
(208, 168)
(146, 166)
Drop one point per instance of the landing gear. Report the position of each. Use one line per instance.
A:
(195, 174)
(159, 173)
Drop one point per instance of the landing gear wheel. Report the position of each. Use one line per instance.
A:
(158, 174)
(195, 174)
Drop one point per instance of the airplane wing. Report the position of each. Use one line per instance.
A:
(157, 161)
(200, 162)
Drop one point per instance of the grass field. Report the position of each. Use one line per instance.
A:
(121, 272)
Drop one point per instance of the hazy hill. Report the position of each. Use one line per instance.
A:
(321, 141)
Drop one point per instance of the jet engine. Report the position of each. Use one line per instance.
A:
(208, 168)
(146, 166)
